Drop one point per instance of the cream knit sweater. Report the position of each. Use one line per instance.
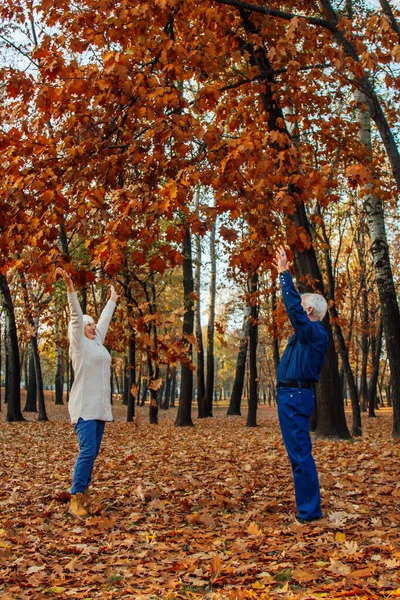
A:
(90, 392)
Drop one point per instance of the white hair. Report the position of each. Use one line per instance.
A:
(317, 302)
(87, 320)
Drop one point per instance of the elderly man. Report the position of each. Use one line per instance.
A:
(298, 370)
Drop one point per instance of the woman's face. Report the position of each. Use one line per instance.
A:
(90, 331)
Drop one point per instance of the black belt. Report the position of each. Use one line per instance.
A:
(295, 384)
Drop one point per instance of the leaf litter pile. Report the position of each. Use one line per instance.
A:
(203, 512)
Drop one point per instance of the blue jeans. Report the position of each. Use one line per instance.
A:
(295, 407)
(90, 434)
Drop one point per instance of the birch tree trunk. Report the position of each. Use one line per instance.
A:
(383, 271)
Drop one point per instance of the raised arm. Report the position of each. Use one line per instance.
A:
(75, 328)
(291, 298)
(106, 315)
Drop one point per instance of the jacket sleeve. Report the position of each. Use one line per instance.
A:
(296, 313)
(104, 321)
(75, 327)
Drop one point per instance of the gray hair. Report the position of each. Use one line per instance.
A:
(318, 303)
(87, 320)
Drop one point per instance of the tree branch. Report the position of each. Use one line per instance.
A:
(263, 10)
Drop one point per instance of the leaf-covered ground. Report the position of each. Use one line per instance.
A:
(204, 512)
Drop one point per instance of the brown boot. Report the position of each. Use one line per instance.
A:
(76, 508)
(86, 499)
(91, 502)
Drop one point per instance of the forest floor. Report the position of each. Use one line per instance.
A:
(201, 512)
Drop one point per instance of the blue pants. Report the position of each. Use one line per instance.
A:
(295, 407)
(90, 434)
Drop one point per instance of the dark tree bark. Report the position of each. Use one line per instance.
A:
(59, 377)
(253, 342)
(167, 391)
(173, 388)
(373, 384)
(42, 416)
(31, 390)
(275, 337)
(238, 384)
(131, 374)
(200, 371)
(83, 300)
(13, 367)
(184, 417)
(125, 392)
(144, 391)
(387, 10)
(154, 370)
(208, 398)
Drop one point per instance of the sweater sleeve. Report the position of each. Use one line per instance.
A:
(75, 327)
(296, 313)
(104, 321)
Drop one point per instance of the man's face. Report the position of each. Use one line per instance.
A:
(90, 331)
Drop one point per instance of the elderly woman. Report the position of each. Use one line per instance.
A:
(90, 399)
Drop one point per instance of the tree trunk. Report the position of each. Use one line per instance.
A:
(330, 405)
(154, 371)
(31, 391)
(42, 416)
(383, 272)
(342, 346)
(253, 341)
(237, 391)
(167, 392)
(13, 367)
(208, 398)
(200, 372)
(376, 356)
(131, 374)
(173, 387)
(200, 382)
(275, 337)
(184, 417)
(59, 378)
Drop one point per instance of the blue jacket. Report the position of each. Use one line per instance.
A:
(305, 353)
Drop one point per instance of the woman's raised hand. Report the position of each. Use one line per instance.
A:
(67, 278)
(113, 294)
